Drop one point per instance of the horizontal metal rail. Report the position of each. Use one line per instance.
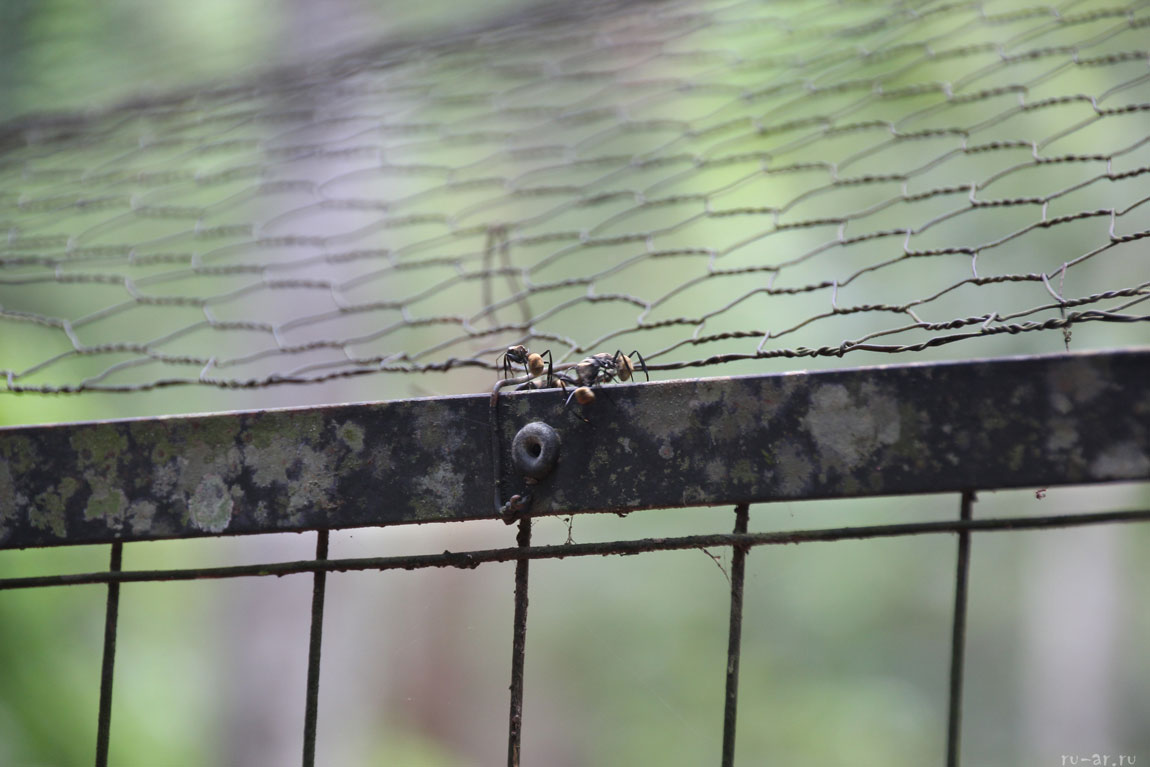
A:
(1017, 422)
(468, 560)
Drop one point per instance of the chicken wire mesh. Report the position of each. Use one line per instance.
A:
(703, 181)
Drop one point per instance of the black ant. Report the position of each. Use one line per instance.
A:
(532, 363)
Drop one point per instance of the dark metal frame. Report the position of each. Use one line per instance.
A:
(843, 421)
(887, 430)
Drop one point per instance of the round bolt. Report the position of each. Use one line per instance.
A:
(535, 450)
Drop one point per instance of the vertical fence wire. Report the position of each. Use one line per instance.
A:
(958, 636)
(734, 640)
(518, 647)
(107, 667)
(311, 708)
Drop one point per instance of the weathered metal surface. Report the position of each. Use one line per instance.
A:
(1038, 421)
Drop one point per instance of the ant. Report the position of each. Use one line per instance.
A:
(599, 369)
(532, 363)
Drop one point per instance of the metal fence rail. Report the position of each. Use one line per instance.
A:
(920, 428)
(1070, 419)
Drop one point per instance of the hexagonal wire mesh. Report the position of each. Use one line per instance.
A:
(706, 182)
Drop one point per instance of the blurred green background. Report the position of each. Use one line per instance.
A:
(65, 55)
(846, 644)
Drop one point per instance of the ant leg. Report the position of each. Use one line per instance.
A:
(642, 363)
(550, 368)
(563, 382)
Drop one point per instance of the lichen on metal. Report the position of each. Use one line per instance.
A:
(228, 473)
(1035, 421)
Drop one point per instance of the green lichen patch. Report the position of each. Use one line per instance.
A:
(210, 507)
(1075, 383)
(140, 516)
(794, 470)
(18, 452)
(49, 507)
(439, 490)
(200, 459)
(100, 447)
(11, 502)
(100, 450)
(743, 472)
(154, 437)
(271, 428)
(437, 432)
(314, 487)
(848, 430)
(107, 503)
(351, 434)
(1125, 460)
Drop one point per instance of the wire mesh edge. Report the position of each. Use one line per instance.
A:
(468, 560)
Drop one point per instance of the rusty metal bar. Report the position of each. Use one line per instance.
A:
(108, 664)
(468, 560)
(958, 635)
(518, 646)
(315, 643)
(1019, 422)
(735, 637)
